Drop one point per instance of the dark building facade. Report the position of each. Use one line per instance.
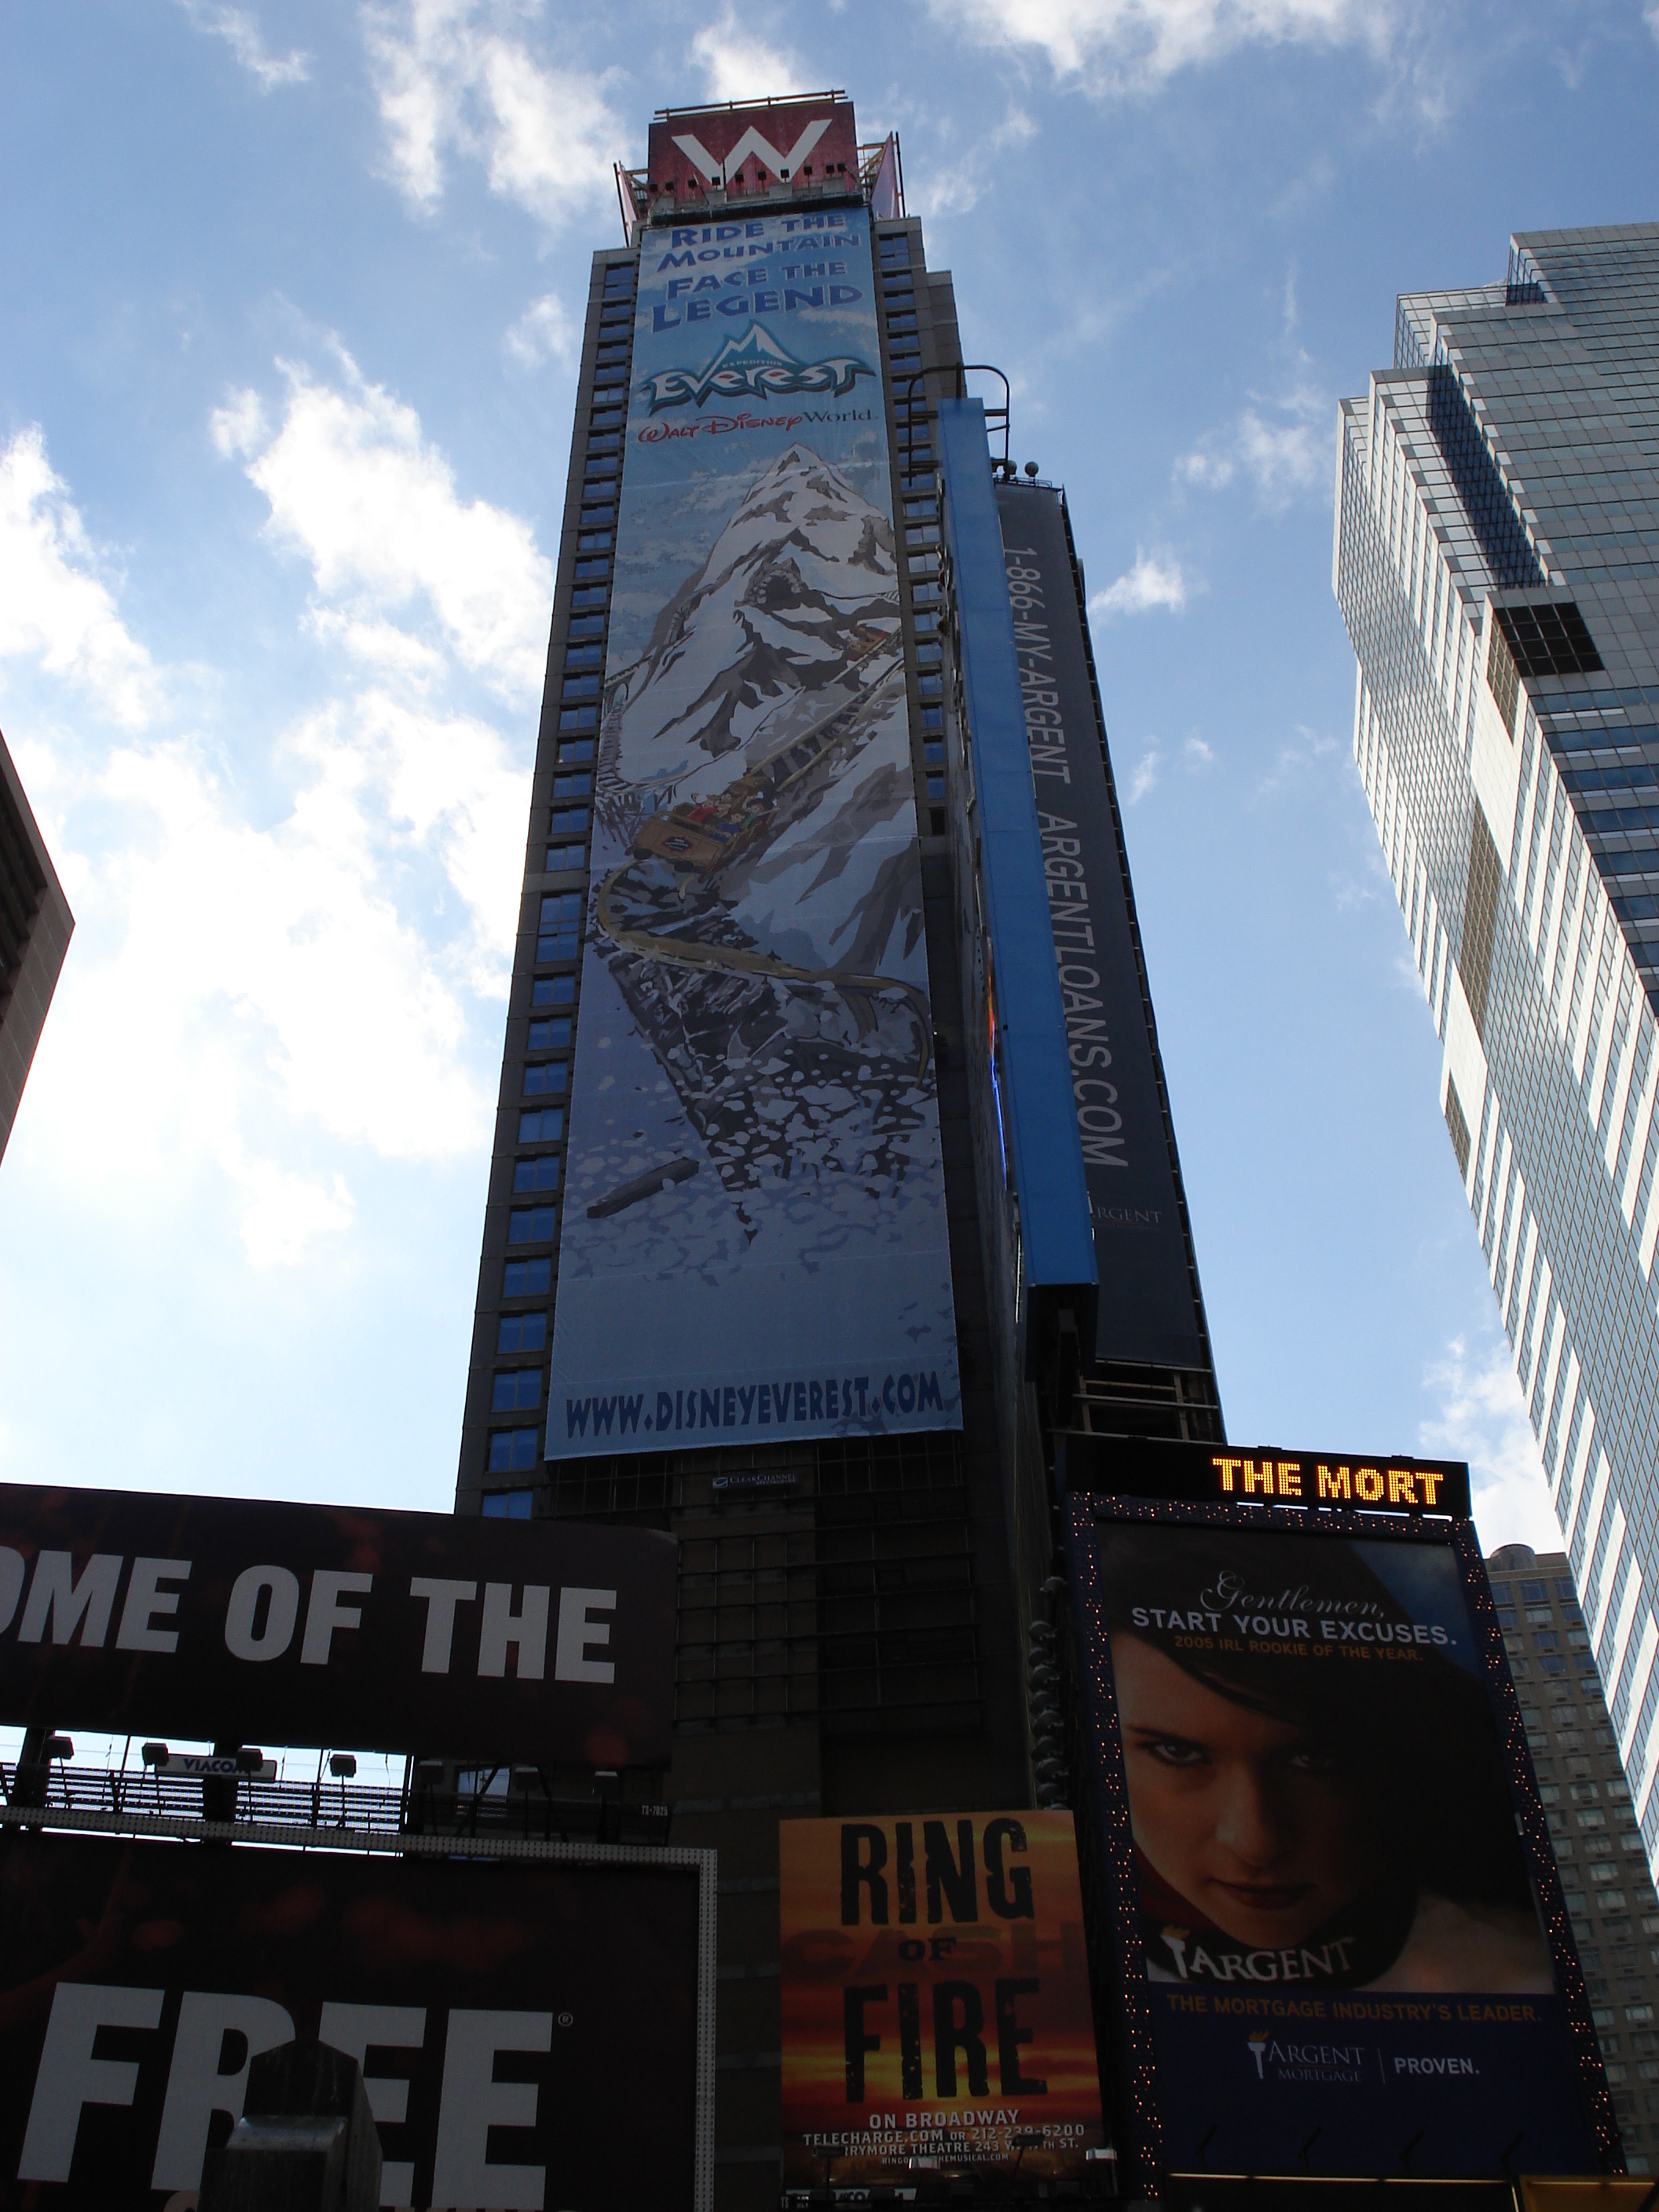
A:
(35, 924)
(858, 1580)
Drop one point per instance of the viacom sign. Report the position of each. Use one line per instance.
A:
(745, 147)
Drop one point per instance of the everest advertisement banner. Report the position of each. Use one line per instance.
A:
(754, 1246)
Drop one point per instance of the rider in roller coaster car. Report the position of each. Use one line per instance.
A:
(1301, 1816)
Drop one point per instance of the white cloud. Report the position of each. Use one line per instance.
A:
(1283, 447)
(323, 1018)
(736, 65)
(450, 76)
(1481, 1417)
(1650, 16)
(959, 188)
(1143, 776)
(1153, 582)
(54, 606)
(1118, 45)
(238, 27)
(545, 331)
(354, 487)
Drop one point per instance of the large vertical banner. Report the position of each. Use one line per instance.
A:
(754, 1235)
(1340, 1938)
(935, 2000)
(1148, 1306)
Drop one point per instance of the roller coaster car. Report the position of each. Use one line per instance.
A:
(707, 834)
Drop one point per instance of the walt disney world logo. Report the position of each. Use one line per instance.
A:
(753, 367)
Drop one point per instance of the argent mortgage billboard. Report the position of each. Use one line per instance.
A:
(754, 1235)
(1338, 1923)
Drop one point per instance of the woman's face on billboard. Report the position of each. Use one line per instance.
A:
(1254, 1819)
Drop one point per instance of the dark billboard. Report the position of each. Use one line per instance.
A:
(508, 2019)
(1148, 1308)
(234, 1619)
(1341, 1937)
(1263, 1474)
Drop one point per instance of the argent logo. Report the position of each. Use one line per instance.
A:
(1324, 2062)
(752, 367)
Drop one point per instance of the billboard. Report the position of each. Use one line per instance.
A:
(505, 2017)
(1333, 1878)
(754, 1235)
(744, 149)
(935, 2000)
(1264, 1474)
(230, 1620)
(1148, 1304)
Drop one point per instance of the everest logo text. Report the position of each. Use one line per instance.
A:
(752, 367)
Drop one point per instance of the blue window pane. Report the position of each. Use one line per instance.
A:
(546, 1076)
(590, 595)
(517, 1391)
(579, 718)
(1534, 1593)
(553, 991)
(528, 1279)
(1553, 1666)
(514, 1451)
(933, 718)
(530, 1225)
(587, 626)
(579, 684)
(1567, 1593)
(545, 1128)
(549, 1036)
(568, 821)
(934, 753)
(522, 1333)
(936, 786)
(572, 786)
(594, 541)
(539, 1174)
(561, 906)
(565, 856)
(508, 1504)
(579, 748)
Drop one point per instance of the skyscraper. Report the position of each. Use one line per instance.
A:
(834, 1193)
(35, 924)
(1496, 536)
(1605, 1877)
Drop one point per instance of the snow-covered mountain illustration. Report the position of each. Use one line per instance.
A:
(760, 899)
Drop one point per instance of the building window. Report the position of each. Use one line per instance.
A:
(933, 752)
(528, 1279)
(544, 1077)
(568, 821)
(560, 928)
(517, 1391)
(1534, 1593)
(1459, 1127)
(549, 1036)
(545, 1128)
(936, 786)
(562, 857)
(530, 1225)
(522, 1333)
(582, 684)
(572, 786)
(594, 541)
(577, 718)
(587, 626)
(554, 991)
(1548, 639)
(514, 1451)
(507, 1504)
(540, 1173)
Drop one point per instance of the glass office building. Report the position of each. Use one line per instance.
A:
(1605, 1877)
(1497, 563)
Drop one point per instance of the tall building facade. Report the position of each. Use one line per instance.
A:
(1495, 561)
(818, 1231)
(1605, 1878)
(35, 924)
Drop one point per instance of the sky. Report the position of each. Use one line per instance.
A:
(291, 295)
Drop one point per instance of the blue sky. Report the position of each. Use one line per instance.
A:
(291, 297)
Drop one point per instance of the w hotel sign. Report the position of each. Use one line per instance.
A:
(744, 149)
